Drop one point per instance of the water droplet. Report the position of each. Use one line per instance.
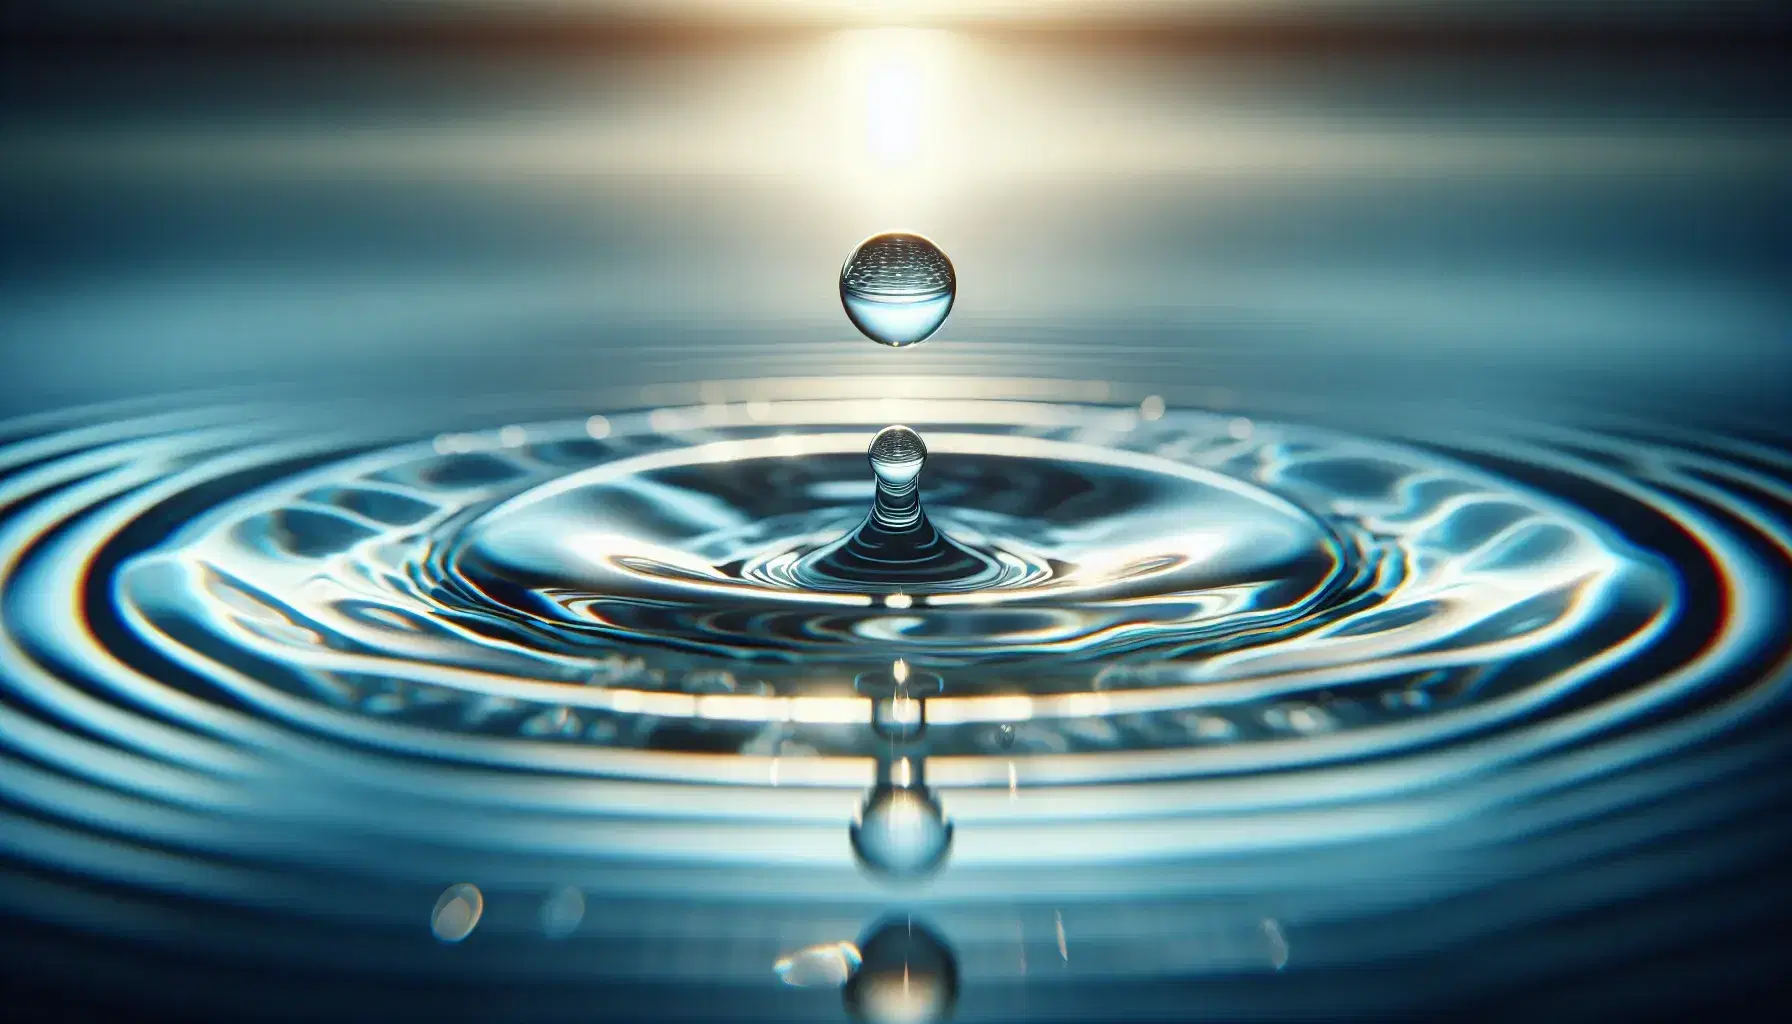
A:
(457, 912)
(897, 454)
(907, 975)
(901, 832)
(825, 965)
(561, 912)
(897, 288)
(1152, 408)
(1005, 735)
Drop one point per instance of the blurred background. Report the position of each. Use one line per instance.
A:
(1492, 202)
(1541, 208)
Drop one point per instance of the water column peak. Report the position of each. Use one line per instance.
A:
(897, 548)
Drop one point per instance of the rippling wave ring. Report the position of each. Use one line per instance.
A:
(237, 666)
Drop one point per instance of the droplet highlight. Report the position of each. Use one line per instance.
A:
(457, 912)
(825, 965)
(897, 288)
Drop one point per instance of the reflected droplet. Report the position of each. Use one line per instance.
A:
(901, 831)
(908, 976)
(457, 912)
(561, 912)
(897, 288)
(826, 965)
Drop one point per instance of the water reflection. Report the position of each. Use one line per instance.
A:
(909, 976)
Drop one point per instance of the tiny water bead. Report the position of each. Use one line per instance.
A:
(457, 912)
(897, 288)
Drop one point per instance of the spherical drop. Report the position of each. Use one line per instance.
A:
(897, 455)
(897, 288)
(901, 832)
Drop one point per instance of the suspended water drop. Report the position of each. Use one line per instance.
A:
(457, 912)
(1005, 735)
(827, 965)
(561, 912)
(897, 288)
(901, 831)
(908, 976)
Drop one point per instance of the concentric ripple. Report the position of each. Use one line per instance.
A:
(278, 666)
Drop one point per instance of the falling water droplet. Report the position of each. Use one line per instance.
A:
(1005, 735)
(561, 912)
(457, 912)
(907, 976)
(901, 832)
(897, 288)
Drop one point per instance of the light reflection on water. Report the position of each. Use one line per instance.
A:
(274, 746)
(262, 678)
